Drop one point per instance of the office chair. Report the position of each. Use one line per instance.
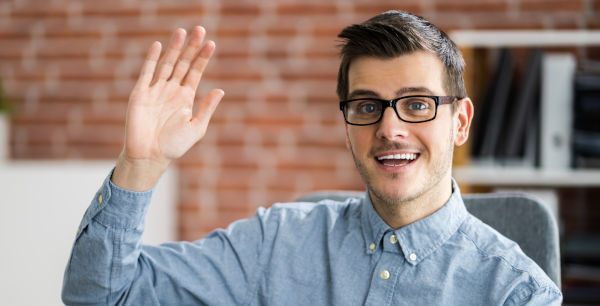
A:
(521, 218)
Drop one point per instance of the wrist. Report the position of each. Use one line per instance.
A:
(138, 174)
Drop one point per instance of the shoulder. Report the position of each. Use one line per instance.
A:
(516, 273)
(304, 211)
(306, 218)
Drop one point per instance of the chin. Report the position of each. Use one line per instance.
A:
(393, 195)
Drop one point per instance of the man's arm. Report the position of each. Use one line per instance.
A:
(108, 264)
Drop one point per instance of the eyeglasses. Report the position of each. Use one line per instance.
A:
(413, 109)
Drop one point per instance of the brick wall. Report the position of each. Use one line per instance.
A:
(69, 67)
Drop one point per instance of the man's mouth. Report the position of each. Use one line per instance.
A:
(396, 160)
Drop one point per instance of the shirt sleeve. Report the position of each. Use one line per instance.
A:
(109, 265)
(527, 295)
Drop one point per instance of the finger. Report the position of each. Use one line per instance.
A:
(190, 50)
(206, 109)
(149, 65)
(166, 63)
(192, 79)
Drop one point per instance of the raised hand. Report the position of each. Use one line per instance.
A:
(161, 125)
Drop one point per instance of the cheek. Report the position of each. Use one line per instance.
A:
(358, 138)
(437, 137)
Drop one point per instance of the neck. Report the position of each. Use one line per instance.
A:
(403, 212)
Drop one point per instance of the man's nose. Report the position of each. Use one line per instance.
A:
(390, 127)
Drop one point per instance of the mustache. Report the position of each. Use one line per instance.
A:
(391, 146)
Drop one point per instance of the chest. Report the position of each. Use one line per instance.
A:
(340, 270)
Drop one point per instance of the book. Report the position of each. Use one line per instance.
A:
(522, 113)
(490, 121)
(558, 71)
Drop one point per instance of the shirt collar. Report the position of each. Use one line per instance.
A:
(419, 239)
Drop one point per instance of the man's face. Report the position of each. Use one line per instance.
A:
(399, 180)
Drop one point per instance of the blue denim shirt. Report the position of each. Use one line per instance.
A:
(330, 253)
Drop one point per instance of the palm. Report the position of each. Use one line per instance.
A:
(161, 125)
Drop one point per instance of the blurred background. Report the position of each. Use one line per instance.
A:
(67, 67)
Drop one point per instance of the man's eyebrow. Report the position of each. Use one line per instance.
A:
(362, 93)
(400, 92)
(417, 90)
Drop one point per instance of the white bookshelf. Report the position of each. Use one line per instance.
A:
(525, 176)
(525, 38)
(511, 176)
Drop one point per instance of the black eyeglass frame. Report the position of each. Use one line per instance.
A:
(439, 100)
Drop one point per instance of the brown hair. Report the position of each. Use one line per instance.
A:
(395, 33)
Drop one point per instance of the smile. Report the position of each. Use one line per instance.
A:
(396, 160)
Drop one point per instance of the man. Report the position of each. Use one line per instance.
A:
(409, 241)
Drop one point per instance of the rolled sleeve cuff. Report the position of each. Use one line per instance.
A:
(116, 207)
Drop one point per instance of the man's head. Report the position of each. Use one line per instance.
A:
(396, 33)
(403, 154)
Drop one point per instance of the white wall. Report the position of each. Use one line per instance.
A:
(41, 205)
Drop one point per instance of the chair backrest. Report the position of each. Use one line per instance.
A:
(521, 218)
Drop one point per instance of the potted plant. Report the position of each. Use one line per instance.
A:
(5, 109)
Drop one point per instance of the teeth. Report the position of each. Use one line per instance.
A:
(408, 156)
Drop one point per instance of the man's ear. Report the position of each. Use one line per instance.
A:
(464, 113)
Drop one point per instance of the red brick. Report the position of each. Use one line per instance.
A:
(470, 6)
(282, 31)
(232, 47)
(322, 8)
(32, 9)
(231, 176)
(552, 5)
(40, 133)
(195, 11)
(95, 9)
(371, 8)
(233, 70)
(97, 133)
(33, 151)
(239, 8)
(277, 98)
(503, 21)
(42, 114)
(595, 6)
(94, 151)
(322, 48)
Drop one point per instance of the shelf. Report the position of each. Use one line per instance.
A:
(525, 38)
(526, 177)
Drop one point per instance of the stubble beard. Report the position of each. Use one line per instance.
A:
(441, 166)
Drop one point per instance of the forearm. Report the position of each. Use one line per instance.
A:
(104, 256)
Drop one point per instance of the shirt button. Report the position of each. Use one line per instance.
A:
(393, 239)
(372, 246)
(412, 257)
(100, 199)
(385, 274)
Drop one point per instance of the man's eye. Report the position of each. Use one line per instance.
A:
(368, 108)
(416, 106)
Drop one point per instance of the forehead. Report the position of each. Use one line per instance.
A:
(388, 77)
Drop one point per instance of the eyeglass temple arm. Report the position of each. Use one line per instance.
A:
(448, 99)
